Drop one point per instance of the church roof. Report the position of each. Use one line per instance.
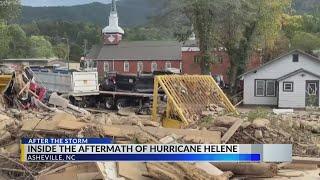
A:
(137, 50)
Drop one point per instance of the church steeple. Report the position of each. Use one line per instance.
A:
(112, 34)
(113, 7)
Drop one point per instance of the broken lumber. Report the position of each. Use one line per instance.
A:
(132, 170)
(177, 171)
(209, 168)
(225, 138)
(57, 100)
(298, 166)
(190, 135)
(306, 160)
(108, 170)
(249, 169)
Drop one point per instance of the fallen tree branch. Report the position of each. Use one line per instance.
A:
(12, 170)
(21, 165)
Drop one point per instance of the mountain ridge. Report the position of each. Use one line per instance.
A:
(131, 13)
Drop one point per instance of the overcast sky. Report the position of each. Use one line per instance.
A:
(59, 2)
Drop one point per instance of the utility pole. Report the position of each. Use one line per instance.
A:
(85, 48)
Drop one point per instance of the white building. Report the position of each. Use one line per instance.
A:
(289, 81)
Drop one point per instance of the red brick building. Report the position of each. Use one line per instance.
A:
(136, 56)
(221, 67)
(148, 56)
(132, 57)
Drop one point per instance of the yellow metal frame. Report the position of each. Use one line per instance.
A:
(188, 95)
(4, 81)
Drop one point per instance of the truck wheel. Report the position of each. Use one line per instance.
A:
(109, 103)
(120, 104)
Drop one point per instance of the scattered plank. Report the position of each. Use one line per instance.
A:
(225, 138)
(298, 166)
(290, 173)
(71, 125)
(209, 168)
(132, 170)
(249, 169)
(190, 135)
(306, 160)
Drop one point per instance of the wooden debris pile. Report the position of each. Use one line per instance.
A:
(131, 128)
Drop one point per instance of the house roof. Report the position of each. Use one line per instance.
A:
(297, 72)
(137, 50)
(281, 56)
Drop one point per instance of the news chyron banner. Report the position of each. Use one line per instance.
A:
(102, 149)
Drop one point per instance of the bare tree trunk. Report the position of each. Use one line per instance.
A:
(233, 76)
(205, 66)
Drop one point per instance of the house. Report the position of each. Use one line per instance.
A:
(131, 57)
(289, 81)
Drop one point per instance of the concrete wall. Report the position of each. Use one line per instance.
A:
(276, 70)
(297, 98)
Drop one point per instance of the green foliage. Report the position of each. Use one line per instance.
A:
(19, 43)
(75, 52)
(40, 47)
(76, 33)
(4, 40)
(147, 33)
(258, 113)
(131, 13)
(61, 50)
(246, 25)
(201, 14)
(31, 29)
(305, 41)
(9, 9)
(305, 6)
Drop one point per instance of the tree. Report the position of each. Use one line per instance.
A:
(4, 40)
(18, 44)
(305, 41)
(9, 9)
(40, 47)
(75, 52)
(245, 25)
(31, 29)
(201, 14)
(61, 51)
